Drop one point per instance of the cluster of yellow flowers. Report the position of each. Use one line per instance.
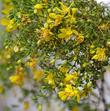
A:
(38, 74)
(9, 23)
(55, 18)
(70, 90)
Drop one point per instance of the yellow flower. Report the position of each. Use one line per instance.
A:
(71, 77)
(50, 79)
(74, 10)
(16, 48)
(10, 24)
(37, 8)
(57, 19)
(45, 34)
(69, 92)
(19, 69)
(1, 89)
(70, 18)
(25, 20)
(52, 15)
(38, 74)
(63, 95)
(65, 33)
(100, 54)
(75, 108)
(63, 69)
(7, 7)
(32, 63)
(75, 32)
(67, 10)
(6, 55)
(46, 1)
(64, 8)
(17, 79)
(80, 38)
(4, 21)
(26, 105)
(39, 107)
(49, 23)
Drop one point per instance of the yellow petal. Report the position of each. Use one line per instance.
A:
(26, 105)
(75, 108)
(52, 15)
(38, 74)
(4, 21)
(62, 95)
(1, 89)
(95, 57)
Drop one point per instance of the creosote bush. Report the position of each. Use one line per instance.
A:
(60, 47)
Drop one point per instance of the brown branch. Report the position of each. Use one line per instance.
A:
(102, 93)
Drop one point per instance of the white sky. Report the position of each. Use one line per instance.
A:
(105, 1)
